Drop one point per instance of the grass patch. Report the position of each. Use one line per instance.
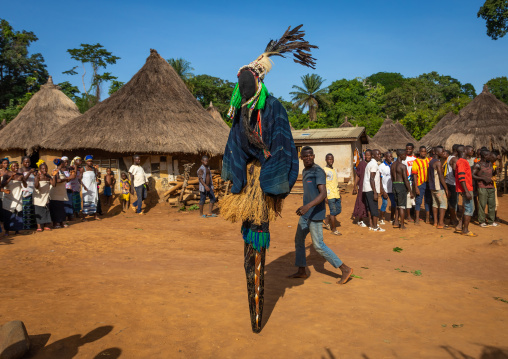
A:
(501, 299)
(397, 249)
(417, 273)
(356, 276)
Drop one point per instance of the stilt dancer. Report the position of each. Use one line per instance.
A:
(260, 160)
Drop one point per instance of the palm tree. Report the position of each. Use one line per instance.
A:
(310, 95)
(183, 68)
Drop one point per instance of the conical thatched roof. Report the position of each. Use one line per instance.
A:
(483, 122)
(48, 109)
(406, 133)
(373, 145)
(153, 113)
(391, 137)
(445, 120)
(214, 112)
(346, 123)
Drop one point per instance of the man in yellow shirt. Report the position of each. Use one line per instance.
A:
(333, 195)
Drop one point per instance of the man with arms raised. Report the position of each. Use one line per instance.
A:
(311, 215)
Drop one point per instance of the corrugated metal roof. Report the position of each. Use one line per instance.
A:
(329, 134)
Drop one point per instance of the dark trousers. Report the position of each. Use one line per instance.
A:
(486, 197)
(141, 195)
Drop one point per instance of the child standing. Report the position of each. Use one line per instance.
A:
(126, 188)
(42, 185)
(109, 184)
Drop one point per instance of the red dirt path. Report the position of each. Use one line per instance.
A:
(171, 285)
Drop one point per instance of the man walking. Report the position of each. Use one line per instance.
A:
(449, 173)
(311, 215)
(139, 183)
(409, 165)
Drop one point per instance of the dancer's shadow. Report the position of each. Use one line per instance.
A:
(68, 348)
(277, 281)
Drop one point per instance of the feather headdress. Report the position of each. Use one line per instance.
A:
(291, 41)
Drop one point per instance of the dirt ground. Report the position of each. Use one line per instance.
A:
(172, 285)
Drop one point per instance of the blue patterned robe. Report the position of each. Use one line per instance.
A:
(279, 171)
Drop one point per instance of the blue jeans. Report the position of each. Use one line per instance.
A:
(384, 204)
(335, 206)
(141, 195)
(316, 233)
(424, 193)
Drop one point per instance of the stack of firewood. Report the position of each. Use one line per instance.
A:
(186, 192)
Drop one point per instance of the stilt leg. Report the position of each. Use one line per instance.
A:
(255, 273)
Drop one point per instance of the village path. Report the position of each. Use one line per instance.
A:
(171, 285)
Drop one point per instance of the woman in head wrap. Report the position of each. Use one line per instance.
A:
(12, 205)
(69, 211)
(75, 185)
(58, 195)
(90, 190)
(42, 186)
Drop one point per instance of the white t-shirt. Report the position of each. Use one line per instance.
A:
(139, 175)
(409, 164)
(386, 177)
(372, 167)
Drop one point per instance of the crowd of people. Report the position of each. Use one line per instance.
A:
(35, 198)
(435, 179)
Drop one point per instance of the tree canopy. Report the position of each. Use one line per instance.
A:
(21, 73)
(495, 14)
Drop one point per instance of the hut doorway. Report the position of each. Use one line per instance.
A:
(34, 158)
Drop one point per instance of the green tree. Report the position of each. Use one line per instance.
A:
(206, 89)
(115, 86)
(69, 89)
(311, 95)
(97, 57)
(20, 73)
(499, 88)
(389, 80)
(184, 69)
(495, 14)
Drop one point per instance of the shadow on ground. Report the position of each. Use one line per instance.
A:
(68, 348)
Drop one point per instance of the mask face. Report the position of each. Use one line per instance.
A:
(246, 85)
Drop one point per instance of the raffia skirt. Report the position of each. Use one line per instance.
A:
(251, 204)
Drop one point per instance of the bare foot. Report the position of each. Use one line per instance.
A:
(396, 224)
(417, 223)
(346, 274)
(403, 228)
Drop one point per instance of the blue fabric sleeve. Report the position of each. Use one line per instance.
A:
(320, 177)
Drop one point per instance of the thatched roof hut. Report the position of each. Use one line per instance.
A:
(445, 120)
(346, 123)
(483, 122)
(406, 133)
(214, 112)
(152, 113)
(48, 109)
(391, 137)
(373, 145)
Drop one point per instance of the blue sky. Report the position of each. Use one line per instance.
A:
(355, 38)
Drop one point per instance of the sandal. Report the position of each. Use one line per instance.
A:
(47, 229)
(204, 216)
(212, 215)
(337, 233)
(378, 229)
(39, 230)
(469, 234)
(326, 226)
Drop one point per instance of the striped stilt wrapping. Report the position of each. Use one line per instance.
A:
(255, 272)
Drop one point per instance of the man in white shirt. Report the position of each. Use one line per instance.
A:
(409, 165)
(386, 182)
(139, 182)
(372, 187)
